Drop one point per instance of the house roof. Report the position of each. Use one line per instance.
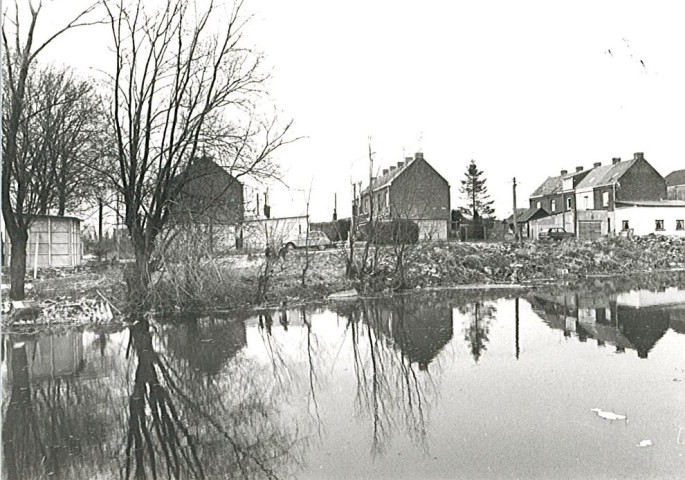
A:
(651, 203)
(387, 179)
(524, 215)
(550, 186)
(605, 175)
(676, 177)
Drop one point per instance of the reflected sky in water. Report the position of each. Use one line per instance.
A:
(428, 386)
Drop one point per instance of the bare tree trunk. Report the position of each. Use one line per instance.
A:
(17, 263)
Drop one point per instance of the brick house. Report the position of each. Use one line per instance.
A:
(675, 185)
(210, 195)
(595, 201)
(412, 189)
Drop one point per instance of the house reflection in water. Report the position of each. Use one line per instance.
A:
(634, 320)
(47, 356)
(207, 343)
(419, 330)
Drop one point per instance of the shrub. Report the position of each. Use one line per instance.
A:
(336, 231)
(395, 232)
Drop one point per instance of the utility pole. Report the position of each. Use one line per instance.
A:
(370, 184)
(517, 233)
(335, 206)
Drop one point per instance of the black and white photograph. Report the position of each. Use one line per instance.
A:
(324, 240)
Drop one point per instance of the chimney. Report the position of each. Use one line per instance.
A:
(596, 164)
(407, 159)
(579, 169)
(418, 155)
(373, 179)
(564, 172)
(385, 171)
(392, 167)
(615, 160)
(400, 164)
(639, 156)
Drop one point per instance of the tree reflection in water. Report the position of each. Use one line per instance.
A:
(54, 424)
(229, 426)
(392, 345)
(478, 328)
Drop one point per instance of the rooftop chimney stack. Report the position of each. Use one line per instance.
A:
(400, 164)
(579, 169)
(596, 164)
(639, 156)
(385, 171)
(615, 160)
(564, 172)
(418, 155)
(392, 167)
(408, 159)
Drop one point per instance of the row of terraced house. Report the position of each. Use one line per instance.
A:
(625, 197)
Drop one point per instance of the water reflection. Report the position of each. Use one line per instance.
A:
(54, 424)
(376, 387)
(628, 321)
(393, 343)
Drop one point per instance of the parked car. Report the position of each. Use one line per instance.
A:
(317, 240)
(555, 233)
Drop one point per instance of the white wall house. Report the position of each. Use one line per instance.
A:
(643, 218)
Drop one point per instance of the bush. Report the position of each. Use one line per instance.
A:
(336, 231)
(395, 232)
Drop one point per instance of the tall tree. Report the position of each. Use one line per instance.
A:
(475, 193)
(180, 89)
(23, 159)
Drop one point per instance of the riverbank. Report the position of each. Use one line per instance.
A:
(95, 293)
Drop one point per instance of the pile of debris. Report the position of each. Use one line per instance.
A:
(62, 311)
(447, 264)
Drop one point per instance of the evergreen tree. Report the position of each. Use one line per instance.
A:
(475, 192)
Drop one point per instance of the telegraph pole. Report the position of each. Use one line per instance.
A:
(517, 233)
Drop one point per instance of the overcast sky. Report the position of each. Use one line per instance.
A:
(524, 88)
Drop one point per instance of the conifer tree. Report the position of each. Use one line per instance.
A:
(475, 192)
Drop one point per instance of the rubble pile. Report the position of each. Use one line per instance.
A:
(59, 312)
(468, 263)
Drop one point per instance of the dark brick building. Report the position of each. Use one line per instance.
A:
(210, 195)
(675, 185)
(412, 189)
(634, 179)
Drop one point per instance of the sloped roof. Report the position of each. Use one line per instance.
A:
(605, 175)
(387, 179)
(651, 203)
(550, 186)
(524, 215)
(676, 177)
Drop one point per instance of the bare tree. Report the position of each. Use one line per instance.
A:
(21, 162)
(180, 89)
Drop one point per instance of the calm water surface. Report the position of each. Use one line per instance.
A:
(413, 387)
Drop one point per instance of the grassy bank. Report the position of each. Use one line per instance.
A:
(231, 282)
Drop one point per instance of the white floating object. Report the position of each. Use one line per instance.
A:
(645, 443)
(607, 415)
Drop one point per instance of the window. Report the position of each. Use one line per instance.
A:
(605, 199)
(659, 224)
(569, 203)
(625, 225)
(680, 224)
(553, 206)
(387, 198)
(586, 202)
(538, 205)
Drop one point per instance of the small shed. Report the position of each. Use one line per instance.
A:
(53, 241)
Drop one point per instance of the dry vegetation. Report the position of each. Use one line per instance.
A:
(206, 283)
